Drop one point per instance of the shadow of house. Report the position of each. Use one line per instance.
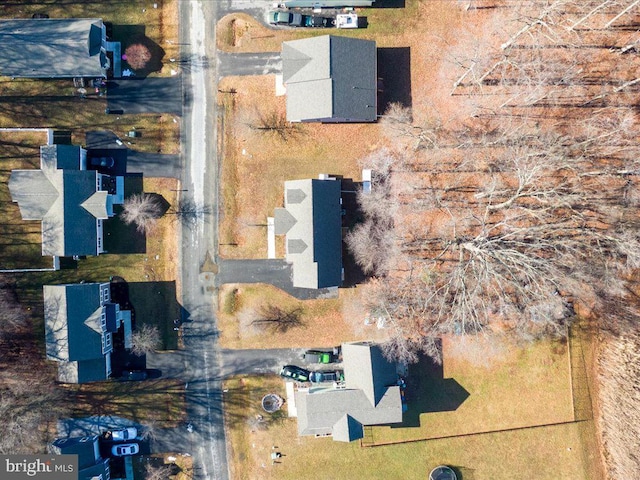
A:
(155, 303)
(428, 391)
(145, 95)
(394, 68)
(80, 321)
(119, 237)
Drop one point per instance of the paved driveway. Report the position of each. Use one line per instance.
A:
(275, 272)
(248, 64)
(145, 95)
(154, 164)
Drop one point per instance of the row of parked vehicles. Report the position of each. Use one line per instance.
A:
(286, 18)
(299, 374)
(123, 435)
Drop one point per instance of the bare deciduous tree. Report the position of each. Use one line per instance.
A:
(145, 339)
(141, 209)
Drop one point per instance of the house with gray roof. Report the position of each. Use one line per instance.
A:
(91, 466)
(311, 220)
(330, 79)
(80, 320)
(71, 201)
(55, 48)
(370, 395)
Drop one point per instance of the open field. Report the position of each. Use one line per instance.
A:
(532, 388)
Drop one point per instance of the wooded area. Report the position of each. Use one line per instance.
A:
(511, 207)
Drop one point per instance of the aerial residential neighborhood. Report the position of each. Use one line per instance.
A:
(346, 239)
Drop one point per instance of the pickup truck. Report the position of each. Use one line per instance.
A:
(278, 17)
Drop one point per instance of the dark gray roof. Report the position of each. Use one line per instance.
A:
(313, 229)
(73, 332)
(52, 48)
(85, 447)
(330, 78)
(371, 397)
(365, 368)
(64, 198)
(90, 463)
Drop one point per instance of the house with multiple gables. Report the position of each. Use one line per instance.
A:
(370, 395)
(71, 201)
(57, 48)
(311, 220)
(330, 79)
(80, 321)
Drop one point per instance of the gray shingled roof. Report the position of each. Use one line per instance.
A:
(73, 332)
(52, 48)
(371, 397)
(365, 368)
(313, 228)
(330, 78)
(90, 463)
(65, 200)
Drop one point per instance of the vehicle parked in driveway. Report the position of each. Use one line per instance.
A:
(124, 434)
(134, 375)
(106, 162)
(327, 376)
(291, 372)
(125, 449)
(318, 22)
(346, 20)
(278, 17)
(321, 356)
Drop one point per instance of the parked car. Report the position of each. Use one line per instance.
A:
(316, 21)
(124, 434)
(321, 356)
(328, 376)
(125, 449)
(106, 162)
(291, 372)
(134, 375)
(278, 17)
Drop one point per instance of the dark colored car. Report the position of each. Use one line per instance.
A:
(328, 376)
(106, 162)
(318, 22)
(291, 372)
(321, 356)
(277, 17)
(134, 375)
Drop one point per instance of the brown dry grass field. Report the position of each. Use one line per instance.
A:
(519, 387)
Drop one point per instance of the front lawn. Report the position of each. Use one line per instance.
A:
(322, 323)
(159, 403)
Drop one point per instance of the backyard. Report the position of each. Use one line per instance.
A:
(517, 419)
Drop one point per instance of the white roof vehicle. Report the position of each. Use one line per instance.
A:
(124, 434)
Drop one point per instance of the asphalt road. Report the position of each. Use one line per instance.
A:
(199, 182)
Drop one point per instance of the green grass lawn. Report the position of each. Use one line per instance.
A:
(523, 388)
